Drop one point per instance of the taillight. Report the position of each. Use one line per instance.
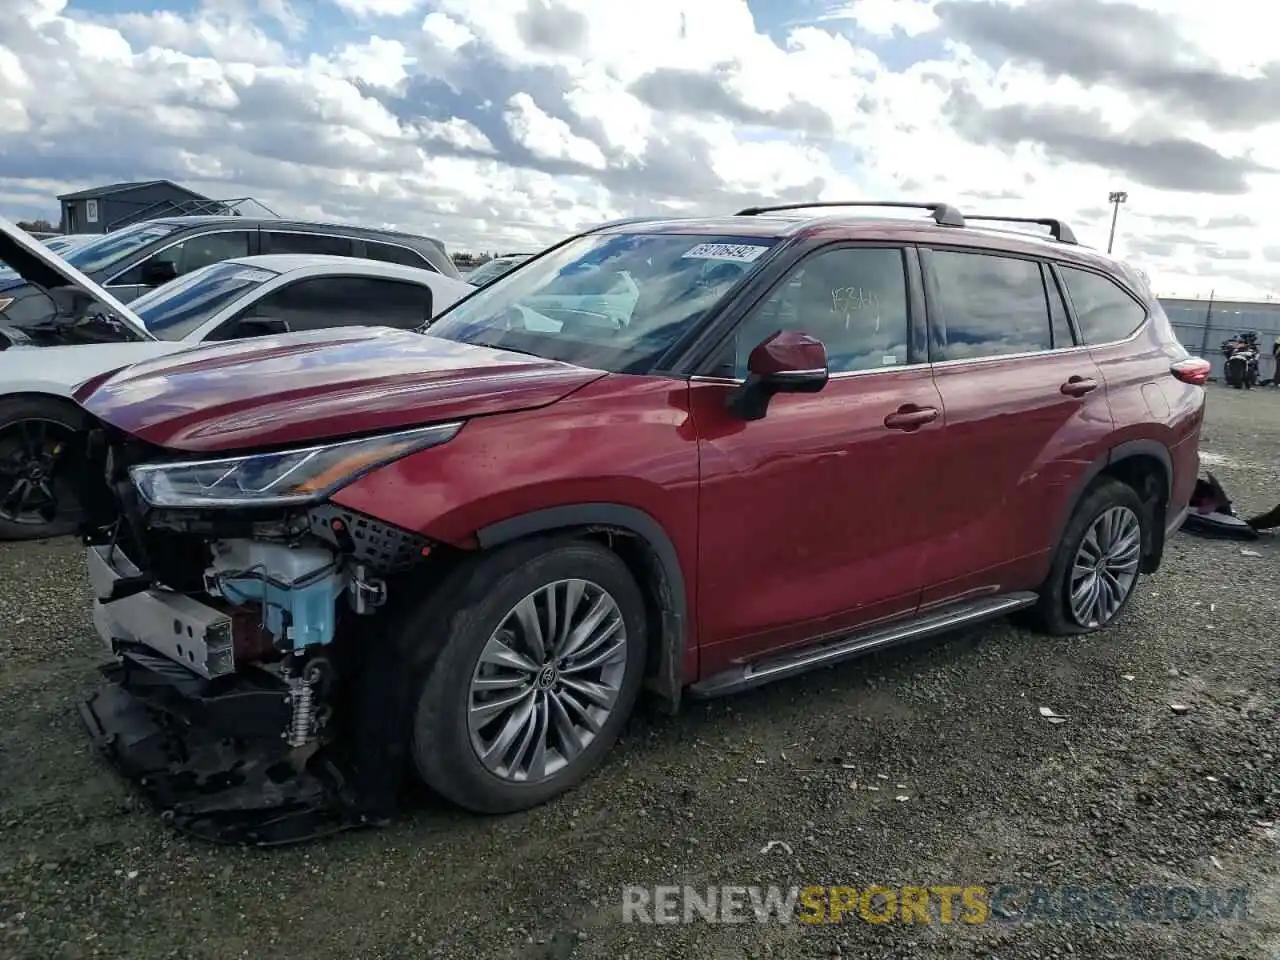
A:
(1192, 370)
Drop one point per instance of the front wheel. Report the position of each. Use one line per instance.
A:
(1096, 567)
(535, 679)
(36, 495)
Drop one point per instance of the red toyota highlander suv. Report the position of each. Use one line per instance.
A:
(686, 455)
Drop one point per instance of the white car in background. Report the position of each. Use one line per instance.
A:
(76, 331)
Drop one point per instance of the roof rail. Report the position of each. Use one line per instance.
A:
(944, 214)
(1057, 229)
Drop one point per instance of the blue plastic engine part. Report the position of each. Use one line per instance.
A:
(298, 587)
(311, 609)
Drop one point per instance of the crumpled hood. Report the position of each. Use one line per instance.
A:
(326, 384)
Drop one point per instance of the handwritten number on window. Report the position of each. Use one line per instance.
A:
(850, 300)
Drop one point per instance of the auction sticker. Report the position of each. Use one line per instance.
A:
(737, 252)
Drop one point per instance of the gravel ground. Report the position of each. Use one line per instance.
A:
(1125, 792)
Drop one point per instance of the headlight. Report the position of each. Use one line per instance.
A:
(4, 303)
(278, 479)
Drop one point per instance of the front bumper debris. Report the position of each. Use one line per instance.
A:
(193, 753)
(1212, 514)
(186, 631)
(202, 735)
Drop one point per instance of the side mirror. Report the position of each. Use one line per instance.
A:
(158, 272)
(786, 362)
(258, 327)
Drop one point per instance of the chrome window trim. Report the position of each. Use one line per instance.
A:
(1049, 353)
(838, 375)
(174, 243)
(961, 361)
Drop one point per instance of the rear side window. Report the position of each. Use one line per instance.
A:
(305, 243)
(391, 253)
(989, 306)
(1104, 312)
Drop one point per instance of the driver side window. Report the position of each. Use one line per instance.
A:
(853, 299)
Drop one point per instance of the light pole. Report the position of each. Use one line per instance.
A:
(1116, 198)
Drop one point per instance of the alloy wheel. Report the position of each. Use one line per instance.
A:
(1105, 567)
(30, 454)
(547, 680)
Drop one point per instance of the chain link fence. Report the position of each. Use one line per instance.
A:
(1202, 325)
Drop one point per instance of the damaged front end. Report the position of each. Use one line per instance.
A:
(242, 610)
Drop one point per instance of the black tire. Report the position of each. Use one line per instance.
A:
(1052, 614)
(441, 745)
(58, 416)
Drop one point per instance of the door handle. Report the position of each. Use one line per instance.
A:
(1079, 386)
(910, 417)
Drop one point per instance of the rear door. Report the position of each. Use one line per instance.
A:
(1134, 348)
(1025, 416)
(814, 519)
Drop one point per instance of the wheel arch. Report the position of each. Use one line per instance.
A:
(42, 391)
(1147, 467)
(645, 547)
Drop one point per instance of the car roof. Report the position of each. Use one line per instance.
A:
(292, 262)
(207, 220)
(902, 229)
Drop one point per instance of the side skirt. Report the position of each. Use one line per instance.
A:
(953, 616)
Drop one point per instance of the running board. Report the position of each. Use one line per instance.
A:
(953, 616)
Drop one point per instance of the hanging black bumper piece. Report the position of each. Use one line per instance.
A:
(209, 755)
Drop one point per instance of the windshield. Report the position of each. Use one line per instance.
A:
(491, 270)
(103, 251)
(614, 301)
(175, 310)
(61, 244)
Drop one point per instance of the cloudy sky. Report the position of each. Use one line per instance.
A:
(508, 123)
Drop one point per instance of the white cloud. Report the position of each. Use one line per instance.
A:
(382, 63)
(379, 8)
(882, 18)
(512, 122)
(548, 137)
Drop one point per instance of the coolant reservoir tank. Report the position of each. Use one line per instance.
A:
(297, 587)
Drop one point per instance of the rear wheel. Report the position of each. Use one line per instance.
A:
(36, 496)
(1096, 567)
(537, 675)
